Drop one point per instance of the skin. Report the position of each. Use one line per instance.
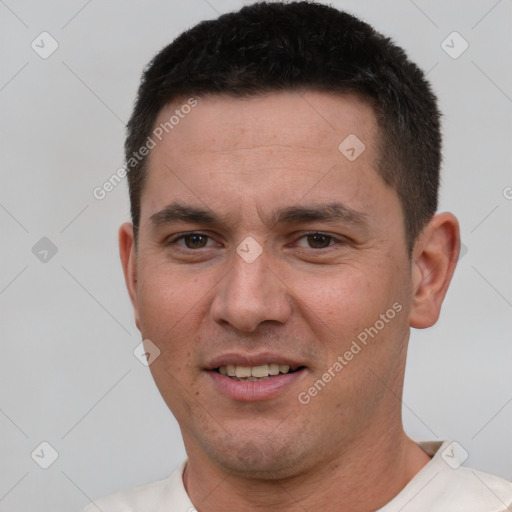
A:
(243, 159)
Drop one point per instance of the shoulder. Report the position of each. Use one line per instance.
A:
(445, 485)
(475, 491)
(154, 497)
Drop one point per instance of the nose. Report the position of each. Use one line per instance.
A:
(250, 294)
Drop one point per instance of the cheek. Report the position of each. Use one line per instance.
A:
(168, 310)
(344, 315)
(166, 288)
(166, 306)
(344, 300)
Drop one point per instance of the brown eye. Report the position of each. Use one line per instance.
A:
(319, 241)
(195, 241)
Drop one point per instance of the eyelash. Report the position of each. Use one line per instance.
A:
(183, 236)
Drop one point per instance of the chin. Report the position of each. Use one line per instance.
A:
(260, 455)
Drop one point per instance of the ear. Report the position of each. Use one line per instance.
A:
(128, 254)
(435, 256)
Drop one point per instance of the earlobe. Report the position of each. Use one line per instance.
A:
(128, 255)
(434, 259)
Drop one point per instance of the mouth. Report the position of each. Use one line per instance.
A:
(256, 373)
(250, 378)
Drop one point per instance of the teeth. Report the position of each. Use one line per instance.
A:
(242, 371)
(260, 371)
(273, 369)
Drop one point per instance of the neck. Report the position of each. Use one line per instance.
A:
(363, 478)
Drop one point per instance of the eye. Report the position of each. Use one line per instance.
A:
(316, 241)
(191, 240)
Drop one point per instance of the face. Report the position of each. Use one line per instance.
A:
(264, 248)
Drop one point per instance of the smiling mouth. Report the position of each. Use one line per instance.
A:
(255, 373)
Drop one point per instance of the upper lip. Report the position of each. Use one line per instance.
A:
(239, 359)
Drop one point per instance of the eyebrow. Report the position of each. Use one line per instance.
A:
(331, 212)
(177, 212)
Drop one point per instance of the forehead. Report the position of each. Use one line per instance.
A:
(273, 149)
(309, 120)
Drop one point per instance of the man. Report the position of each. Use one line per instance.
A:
(283, 165)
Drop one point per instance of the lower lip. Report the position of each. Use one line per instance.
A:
(254, 391)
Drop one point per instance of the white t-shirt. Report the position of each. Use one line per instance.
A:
(443, 485)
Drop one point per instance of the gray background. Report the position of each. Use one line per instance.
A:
(69, 376)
